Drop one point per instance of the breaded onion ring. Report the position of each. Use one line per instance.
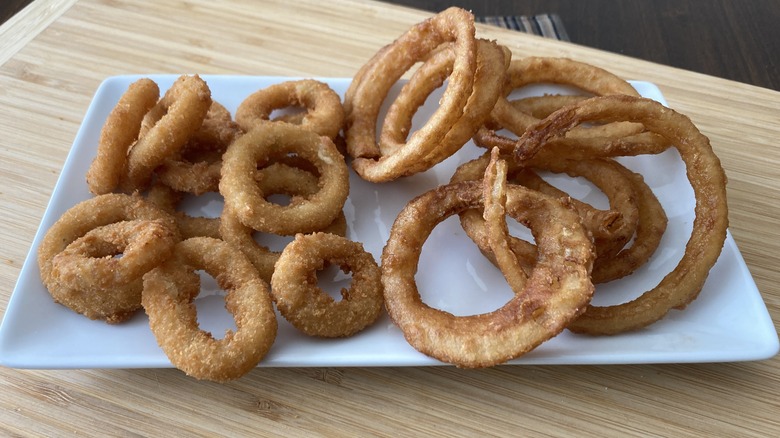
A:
(707, 178)
(182, 111)
(262, 145)
(556, 292)
(276, 179)
(197, 167)
(119, 132)
(324, 114)
(312, 310)
(368, 90)
(88, 267)
(168, 294)
(77, 222)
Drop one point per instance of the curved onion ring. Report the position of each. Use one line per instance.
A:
(275, 179)
(260, 145)
(492, 61)
(312, 310)
(183, 109)
(75, 223)
(197, 168)
(119, 132)
(708, 180)
(372, 84)
(111, 285)
(589, 78)
(556, 291)
(324, 115)
(169, 291)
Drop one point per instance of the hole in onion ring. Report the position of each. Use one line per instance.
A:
(483, 289)
(332, 280)
(212, 315)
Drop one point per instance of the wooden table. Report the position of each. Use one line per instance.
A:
(54, 54)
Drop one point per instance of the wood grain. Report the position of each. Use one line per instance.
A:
(47, 79)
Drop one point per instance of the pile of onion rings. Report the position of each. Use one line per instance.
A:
(154, 151)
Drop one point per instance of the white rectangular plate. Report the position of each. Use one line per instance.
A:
(728, 322)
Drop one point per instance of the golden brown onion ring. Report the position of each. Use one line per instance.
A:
(261, 146)
(75, 223)
(309, 308)
(365, 95)
(183, 109)
(110, 286)
(708, 180)
(168, 294)
(324, 115)
(276, 179)
(118, 134)
(556, 292)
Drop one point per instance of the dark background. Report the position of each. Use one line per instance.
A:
(737, 40)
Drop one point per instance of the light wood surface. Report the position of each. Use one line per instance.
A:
(54, 54)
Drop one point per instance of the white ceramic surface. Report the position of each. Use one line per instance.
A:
(728, 322)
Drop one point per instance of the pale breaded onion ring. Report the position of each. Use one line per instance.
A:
(75, 223)
(89, 271)
(367, 91)
(262, 145)
(168, 294)
(196, 168)
(276, 179)
(708, 180)
(324, 114)
(309, 308)
(183, 109)
(556, 292)
(119, 132)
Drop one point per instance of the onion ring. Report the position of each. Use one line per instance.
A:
(169, 291)
(275, 179)
(708, 180)
(184, 107)
(589, 78)
(556, 291)
(111, 285)
(197, 169)
(324, 115)
(309, 308)
(118, 134)
(365, 95)
(492, 61)
(75, 223)
(262, 144)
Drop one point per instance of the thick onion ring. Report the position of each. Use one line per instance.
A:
(118, 134)
(167, 299)
(110, 287)
(325, 114)
(197, 168)
(75, 223)
(309, 308)
(708, 180)
(366, 94)
(273, 180)
(264, 142)
(557, 290)
(184, 106)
